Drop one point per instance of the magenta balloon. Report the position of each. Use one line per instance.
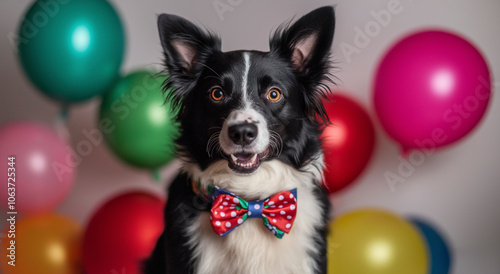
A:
(431, 89)
(43, 178)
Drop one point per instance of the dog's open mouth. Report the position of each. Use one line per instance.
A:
(246, 163)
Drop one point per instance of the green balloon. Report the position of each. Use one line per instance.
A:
(137, 122)
(71, 49)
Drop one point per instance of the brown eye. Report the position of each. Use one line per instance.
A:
(274, 95)
(217, 94)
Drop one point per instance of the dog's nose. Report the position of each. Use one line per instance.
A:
(243, 134)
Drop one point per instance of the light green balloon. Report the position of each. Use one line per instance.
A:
(137, 122)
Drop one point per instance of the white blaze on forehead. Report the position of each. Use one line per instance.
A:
(244, 82)
(245, 113)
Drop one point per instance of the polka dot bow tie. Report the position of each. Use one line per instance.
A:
(277, 212)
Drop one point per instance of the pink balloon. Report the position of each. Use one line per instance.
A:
(42, 177)
(431, 89)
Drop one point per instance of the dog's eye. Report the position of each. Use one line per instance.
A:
(217, 94)
(274, 95)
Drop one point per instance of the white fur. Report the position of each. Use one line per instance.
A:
(244, 82)
(251, 247)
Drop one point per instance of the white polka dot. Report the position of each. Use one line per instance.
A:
(281, 197)
(215, 212)
(288, 225)
(274, 220)
(289, 217)
(272, 214)
(221, 207)
(231, 207)
(228, 224)
(240, 221)
(281, 212)
(235, 200)
(291, 196)
(281, 206)
(256, 206)
(222, 214)
(249, 213)
(271, 203)
(233, 214)
(217, 223)
(292, 207)
(285, 202)
(227, 198)
(225, 203)
(273, 206)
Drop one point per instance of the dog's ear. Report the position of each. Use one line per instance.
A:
(307, 42)
(306, 45)
(186, 48)
(184, 44)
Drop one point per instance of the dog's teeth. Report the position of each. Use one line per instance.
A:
(247, 164)
(254, 158)
(234, 158)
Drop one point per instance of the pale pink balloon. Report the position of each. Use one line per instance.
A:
(431, 89)
(43, 178)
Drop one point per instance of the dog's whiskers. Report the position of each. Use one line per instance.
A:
(276, 143)
(219, 77)
(213, 144)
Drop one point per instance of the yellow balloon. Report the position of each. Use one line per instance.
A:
(371, 241)
(42, 244)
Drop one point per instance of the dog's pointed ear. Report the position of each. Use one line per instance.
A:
(307, 42)
(185, 45)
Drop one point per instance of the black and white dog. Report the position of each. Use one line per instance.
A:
(250, 123)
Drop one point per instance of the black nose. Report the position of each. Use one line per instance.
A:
(243, 134)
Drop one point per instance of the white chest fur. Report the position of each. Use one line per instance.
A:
(252, 248)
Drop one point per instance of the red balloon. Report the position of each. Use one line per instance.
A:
(122, 233)
(348, 142)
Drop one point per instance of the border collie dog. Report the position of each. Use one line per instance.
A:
(249, 196)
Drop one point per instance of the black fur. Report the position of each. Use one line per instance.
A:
(182, 206)
(201, 65)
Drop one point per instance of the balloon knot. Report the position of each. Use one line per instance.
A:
(156, 176)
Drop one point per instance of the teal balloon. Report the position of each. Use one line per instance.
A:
(71, 49)
(138, 122)
(438, 250)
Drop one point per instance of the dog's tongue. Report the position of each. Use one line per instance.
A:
(243, 157)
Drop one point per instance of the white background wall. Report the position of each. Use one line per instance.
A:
(457, 188)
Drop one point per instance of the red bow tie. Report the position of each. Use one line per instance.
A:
(277, 212)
